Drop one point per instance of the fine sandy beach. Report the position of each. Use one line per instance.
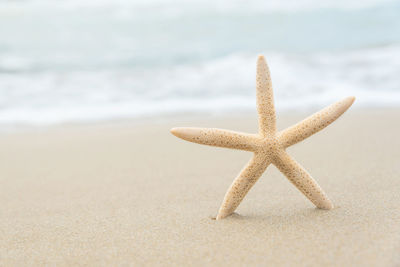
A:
(130, 193)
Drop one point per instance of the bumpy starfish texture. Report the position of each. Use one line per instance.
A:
(268, 145)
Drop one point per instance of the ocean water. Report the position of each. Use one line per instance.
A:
(91, 60)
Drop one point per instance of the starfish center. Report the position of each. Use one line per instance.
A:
(269, 145)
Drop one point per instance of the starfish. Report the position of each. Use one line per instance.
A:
(269, 145)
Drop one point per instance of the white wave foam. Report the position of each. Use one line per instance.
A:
(222, 84)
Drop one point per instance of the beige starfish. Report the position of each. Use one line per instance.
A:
(268, 145)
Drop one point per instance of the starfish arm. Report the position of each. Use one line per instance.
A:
(265, 99)
(216, 137)
(298, 176)
(242, 184)
(314, 123)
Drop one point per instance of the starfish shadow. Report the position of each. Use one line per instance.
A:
(302, 215)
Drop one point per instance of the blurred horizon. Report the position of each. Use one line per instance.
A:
(71, 61)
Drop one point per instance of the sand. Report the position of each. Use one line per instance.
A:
(133, 194)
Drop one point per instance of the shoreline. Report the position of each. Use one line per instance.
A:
(186, 118)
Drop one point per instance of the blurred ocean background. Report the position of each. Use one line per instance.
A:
(93, 60)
